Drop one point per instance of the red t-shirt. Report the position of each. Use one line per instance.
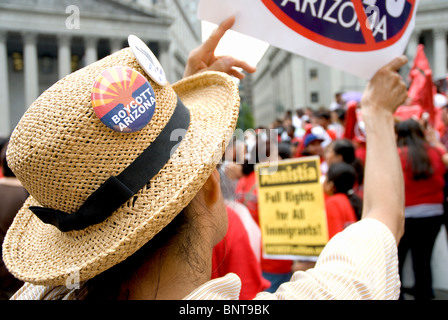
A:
(234, 254)
(247, 194)
(424, 190)
(340, 213)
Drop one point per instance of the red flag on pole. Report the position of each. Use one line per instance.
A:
(420, 60)
(421, 89)
(350, 120)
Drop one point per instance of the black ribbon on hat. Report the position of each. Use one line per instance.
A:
(116, 191)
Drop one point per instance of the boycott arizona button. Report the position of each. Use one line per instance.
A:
(123, 99)
(349, 25)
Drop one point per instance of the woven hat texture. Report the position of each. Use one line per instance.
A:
(61, 152)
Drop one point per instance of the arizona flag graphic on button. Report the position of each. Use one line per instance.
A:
(123, 99)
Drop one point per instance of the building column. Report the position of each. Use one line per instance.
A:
(64, 56)
(440, 58)
(411, 48)
(4, 87)
(115, 45)
(165, 59)
(31, 68)
(91, 54)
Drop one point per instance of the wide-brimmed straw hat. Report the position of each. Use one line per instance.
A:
(65, 157)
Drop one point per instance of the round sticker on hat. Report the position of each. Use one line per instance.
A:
(147, 60)
(123, 99)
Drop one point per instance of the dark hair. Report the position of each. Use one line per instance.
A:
(410, 135)
(346, 149)
(340, 112)
(323, 114)
(108, 284)
(284, 150)
(343, 177)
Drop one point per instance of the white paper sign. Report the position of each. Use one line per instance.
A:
(356, 36)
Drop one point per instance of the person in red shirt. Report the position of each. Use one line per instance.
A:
(323, 119)
(343, 150)
(423, 172)
(246, 192)
(342, 205)
(234, 254)
(354, 131)
(275, 271)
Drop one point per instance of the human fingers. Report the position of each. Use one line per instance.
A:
(212, 42)
(399, 87)
(228, 64)
(238, 64)
(396, 63)
(386, 90)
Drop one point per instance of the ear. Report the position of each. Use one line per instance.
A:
(329, 187)
(212, 189)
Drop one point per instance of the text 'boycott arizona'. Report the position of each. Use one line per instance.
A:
(123, 99)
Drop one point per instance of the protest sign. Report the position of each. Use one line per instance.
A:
(355, 36)
(291, 208)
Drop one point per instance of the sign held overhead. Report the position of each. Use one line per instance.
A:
(355, 36)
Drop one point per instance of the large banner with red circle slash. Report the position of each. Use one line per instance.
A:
(357, 36)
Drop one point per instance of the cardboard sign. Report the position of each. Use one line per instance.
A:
(355, 36)
(291, 208)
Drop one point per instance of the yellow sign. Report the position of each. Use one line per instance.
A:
(291, 208)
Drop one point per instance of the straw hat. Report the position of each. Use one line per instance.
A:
(62, 153)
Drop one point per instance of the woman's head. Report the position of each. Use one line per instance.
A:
(411, 139)
(409, 132)
(340, 150)
(343, 150)
(203, 222)
(340, 178)
(98, 195)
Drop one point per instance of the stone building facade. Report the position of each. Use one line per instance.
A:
(285, 81)
(43, 40)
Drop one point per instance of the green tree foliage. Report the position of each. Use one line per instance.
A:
(245, 118)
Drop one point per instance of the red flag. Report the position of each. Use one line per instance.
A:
(421, 89)
(420, 60)
(350, 120)
(408, 112)
(416, 89)
(428, 104)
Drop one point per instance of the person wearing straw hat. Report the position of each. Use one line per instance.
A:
(135, 215)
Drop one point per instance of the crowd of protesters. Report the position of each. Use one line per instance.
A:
(336, 135)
